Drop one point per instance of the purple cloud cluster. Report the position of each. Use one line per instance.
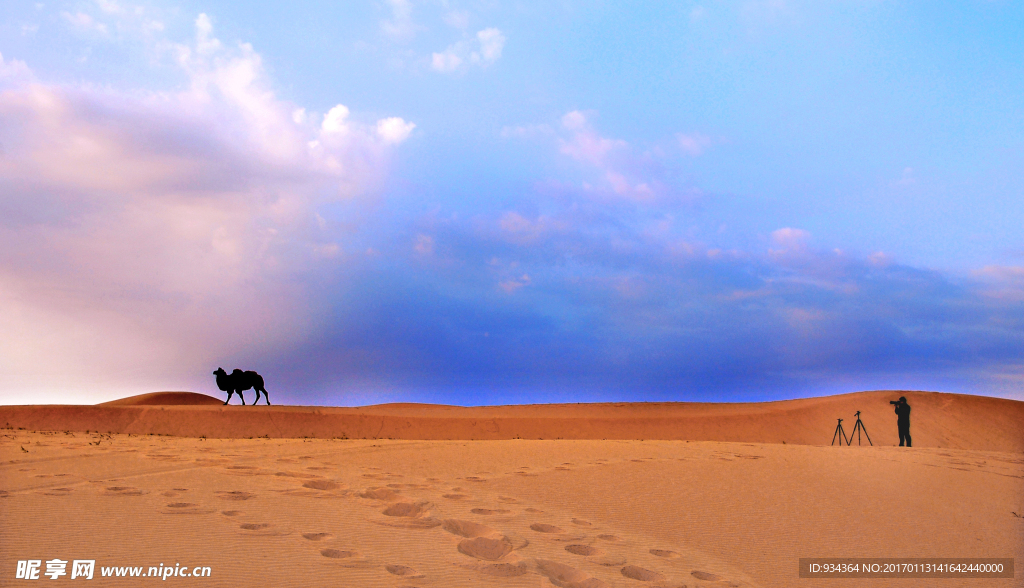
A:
(583, 292)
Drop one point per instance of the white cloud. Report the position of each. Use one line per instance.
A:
(13, 69)
(445, 62)
(400, 27)
(109, 6)
(84, 22)
(788, 242)
(585, 144)
(334, 121)
(205, 42)
(483, 51)
(394, 130)
(457, 18)
(146, 231)
(492, 41)
(693, 144)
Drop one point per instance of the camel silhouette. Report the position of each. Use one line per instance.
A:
(237, 381)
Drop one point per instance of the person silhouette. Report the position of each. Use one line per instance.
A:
(902, 419)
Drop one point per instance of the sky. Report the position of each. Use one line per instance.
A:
(505, 202)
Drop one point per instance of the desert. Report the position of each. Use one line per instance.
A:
(699, 294)
(588, 495)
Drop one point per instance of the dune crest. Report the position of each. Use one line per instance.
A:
(953, 421)
(165, 399)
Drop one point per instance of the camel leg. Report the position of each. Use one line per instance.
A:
(241, 397)
(229, 397)
(265, 395)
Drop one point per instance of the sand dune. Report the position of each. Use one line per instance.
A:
(710, 497)
(519, 513)
(166, 399)
(938, 420)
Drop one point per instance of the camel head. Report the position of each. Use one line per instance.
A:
(220, 372)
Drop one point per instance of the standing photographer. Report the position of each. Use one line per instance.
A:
(902, 419)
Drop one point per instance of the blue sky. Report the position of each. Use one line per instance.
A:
(502, 202)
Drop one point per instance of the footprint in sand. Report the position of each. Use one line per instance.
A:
(189, 508)
(545, 528)
(243, 470)
(612, 538)
(56, 492)
(234, 495)
(561, 574)
(338, 553)
(4, 494)
(509, 500)
(487, 511)
(317, 536)
(611, 561)
(581, 523)
(664, 553)
(231, 513)
(580, 549)
(485, 548)
(475, 479)
(405, 509)
(481, 541)
(455, 496)
(253, 526)
(384, 494)
(467, 529)
(642, 574)
(504, 570)
(708, 576)
(125, 491)
(297, 475)
(403, 571)
(261, 530)
(410, 515)
(322, 485)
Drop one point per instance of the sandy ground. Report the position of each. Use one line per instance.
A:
(569, 513)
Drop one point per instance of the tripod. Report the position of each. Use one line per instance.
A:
(842, 435)
(858, 427)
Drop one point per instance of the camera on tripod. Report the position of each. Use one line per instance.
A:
(894, 402)
(857, 428)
